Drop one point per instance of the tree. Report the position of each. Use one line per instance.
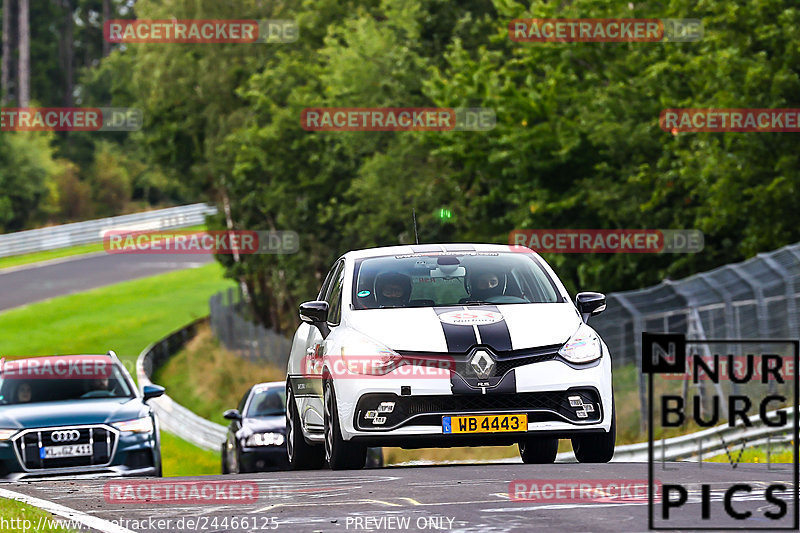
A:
(24, 70)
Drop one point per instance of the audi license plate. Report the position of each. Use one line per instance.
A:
(69, 450)
(485, 423)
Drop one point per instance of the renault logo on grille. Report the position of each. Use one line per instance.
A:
(482, 364)
(65, 436)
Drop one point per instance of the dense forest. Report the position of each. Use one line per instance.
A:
(577, 142)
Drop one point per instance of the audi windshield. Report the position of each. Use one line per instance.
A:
(28, 387)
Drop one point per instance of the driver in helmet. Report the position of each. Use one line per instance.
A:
(485, 284)
(392, 290)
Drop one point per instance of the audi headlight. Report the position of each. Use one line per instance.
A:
(6, 434)
(265, 439)
(137, 425)
(582, 347)
(365, 356)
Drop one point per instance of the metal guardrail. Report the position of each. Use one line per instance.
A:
(37, 240)
(172, 416)
(755, 299)
(244, 337)
(711, 441)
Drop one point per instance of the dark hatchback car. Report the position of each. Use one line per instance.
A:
(256, 438)
(75, 415)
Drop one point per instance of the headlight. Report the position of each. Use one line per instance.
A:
(6, 434)
(264, 439)
(138, 425)
(582, 347)
(365, 356)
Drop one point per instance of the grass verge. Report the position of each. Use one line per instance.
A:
(208, 379)
(28, 518)
(125, 317)
(181, 458)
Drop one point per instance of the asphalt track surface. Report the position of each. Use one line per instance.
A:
(42, 281)
(458, 498)
(463, 498)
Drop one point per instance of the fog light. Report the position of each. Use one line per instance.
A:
(370, 415)
(386, 407)
(588, 407)
(575, 401)
(379, 420)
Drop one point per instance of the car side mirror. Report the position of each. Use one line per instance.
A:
(316, 314)
(152, 391)
(590, 304)
(232, 414)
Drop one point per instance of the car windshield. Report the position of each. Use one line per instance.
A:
(451, 279)
(18, 390)
(267, 402)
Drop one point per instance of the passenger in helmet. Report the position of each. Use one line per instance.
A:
(392, 290)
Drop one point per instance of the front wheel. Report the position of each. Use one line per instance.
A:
(301, 455)
(538, 450)
(340, 454)
(597, 448)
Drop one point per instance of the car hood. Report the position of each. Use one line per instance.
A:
(440, 329)
(71, 413)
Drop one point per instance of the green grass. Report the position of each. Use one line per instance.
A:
(208, 379)
(14, 510)
(48, 255)
(754, 455)
(181, 458)
(125, 317)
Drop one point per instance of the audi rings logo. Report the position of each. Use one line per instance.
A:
(65, 436)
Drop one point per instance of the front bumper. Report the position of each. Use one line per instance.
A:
(133, 454)
(541, 389)
(263, 458)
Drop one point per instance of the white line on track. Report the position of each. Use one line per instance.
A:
(65, 512)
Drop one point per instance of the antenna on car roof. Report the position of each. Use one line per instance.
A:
(414, 216)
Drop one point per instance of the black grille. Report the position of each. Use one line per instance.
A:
(139, 459)
(504, 361)
(429, 409)
(29, 447)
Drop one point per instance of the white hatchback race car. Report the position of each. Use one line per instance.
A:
(443, 345)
